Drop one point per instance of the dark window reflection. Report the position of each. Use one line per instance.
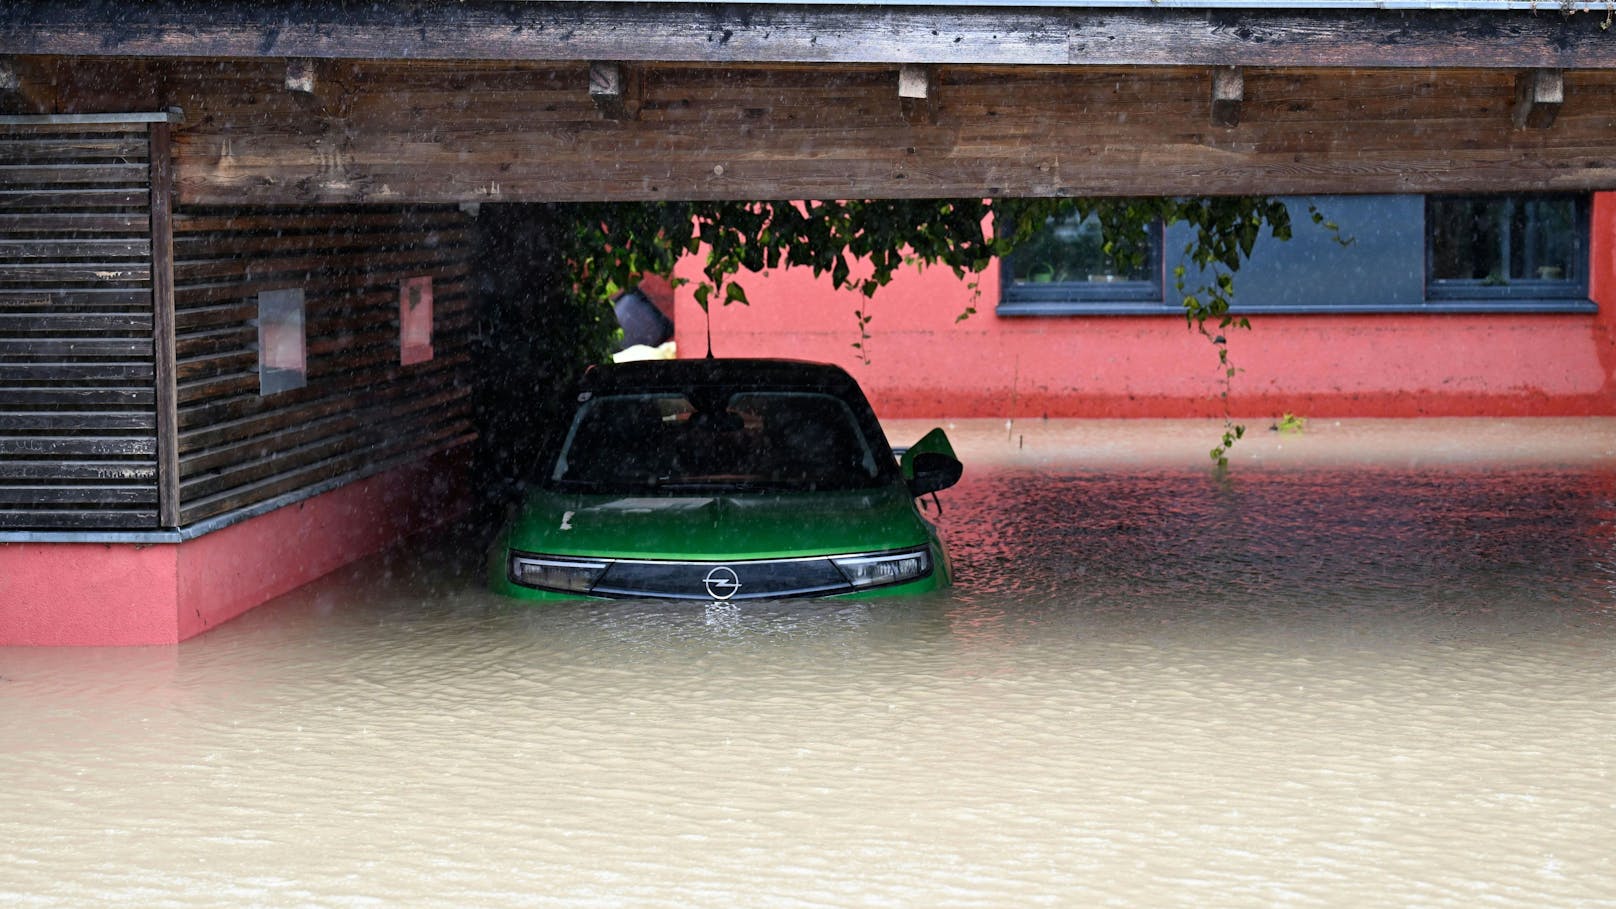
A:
(1069, 263)
(1072, 249)
(1534, 242)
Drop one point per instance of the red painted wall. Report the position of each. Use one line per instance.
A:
(86, 593)
(103, 594)
(922, 363)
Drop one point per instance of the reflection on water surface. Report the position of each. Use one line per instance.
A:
(1297, 687)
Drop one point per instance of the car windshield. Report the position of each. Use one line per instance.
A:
(715, 439)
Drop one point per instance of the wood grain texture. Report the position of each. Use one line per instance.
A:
(128, 340)
(813, 33)
(78, 413)
(237, 448)
(76, 518)
(108, 471)
(1228, 91)
(1539, 93)
(510, 132)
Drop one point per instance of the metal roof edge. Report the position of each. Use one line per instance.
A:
(172, 115)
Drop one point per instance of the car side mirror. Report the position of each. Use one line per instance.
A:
(929, 465)
(933, 471)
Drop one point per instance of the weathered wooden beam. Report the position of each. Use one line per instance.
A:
(917, 94)
(1228, 91)
(20, 90)
(808, 33)
(615, 89)
(516, 132)
(1538, 96)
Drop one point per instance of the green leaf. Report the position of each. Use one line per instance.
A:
(608, 246)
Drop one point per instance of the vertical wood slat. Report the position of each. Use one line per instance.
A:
(162, 245)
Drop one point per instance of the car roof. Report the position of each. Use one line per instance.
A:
(640, 374)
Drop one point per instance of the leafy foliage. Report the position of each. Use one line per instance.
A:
(1290, 423)
(863, 244)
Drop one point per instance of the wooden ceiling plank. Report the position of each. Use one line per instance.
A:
(809, 33)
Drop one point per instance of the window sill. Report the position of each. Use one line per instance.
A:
(1088, 308)
(1517, 304)
(1430, 307)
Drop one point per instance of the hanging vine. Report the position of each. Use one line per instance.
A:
(863, 244)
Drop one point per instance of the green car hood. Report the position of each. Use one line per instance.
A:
(718, 526)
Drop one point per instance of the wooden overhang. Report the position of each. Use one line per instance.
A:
(288, 101)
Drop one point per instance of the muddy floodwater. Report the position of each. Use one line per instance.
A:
(1374, 665)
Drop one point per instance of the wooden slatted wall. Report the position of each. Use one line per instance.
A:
(360, 409)
(78, 445)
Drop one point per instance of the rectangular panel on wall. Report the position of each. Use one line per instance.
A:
(77, 396)
(242, 441)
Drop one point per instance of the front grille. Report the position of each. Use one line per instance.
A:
(748, 580)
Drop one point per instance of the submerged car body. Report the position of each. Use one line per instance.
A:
(724, 480)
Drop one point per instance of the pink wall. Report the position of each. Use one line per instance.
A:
(87, 593)
(925, 364)
(100, 594)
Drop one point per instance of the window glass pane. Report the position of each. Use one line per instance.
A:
(1503, 241)
(736, 438)
(1070, 249)
(415, 320)
(282, 357)
(1545, 247)
(1466, 239)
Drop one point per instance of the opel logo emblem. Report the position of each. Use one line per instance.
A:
(722, 583)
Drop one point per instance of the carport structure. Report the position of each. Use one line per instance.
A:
(219, 222)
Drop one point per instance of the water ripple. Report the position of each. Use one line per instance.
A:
(1294, 688)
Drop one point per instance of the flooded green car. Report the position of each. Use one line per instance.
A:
(723, 480)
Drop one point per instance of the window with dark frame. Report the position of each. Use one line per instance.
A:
(1506, 249)
(1065, 269)
(1392, 253)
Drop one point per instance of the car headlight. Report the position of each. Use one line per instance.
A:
(885, 568)
(571, 575)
